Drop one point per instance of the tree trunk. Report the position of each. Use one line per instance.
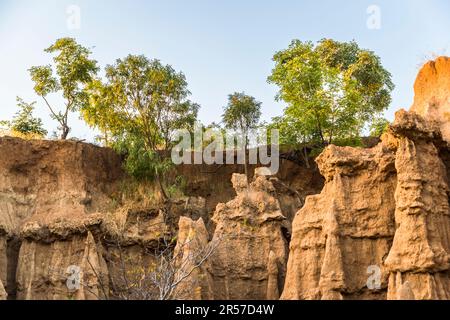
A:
(306, 157)
(65, 132)
(246, 169)
(246, 159)
(161, 187)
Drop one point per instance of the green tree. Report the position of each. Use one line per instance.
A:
(332, 89)
(98, 114)
(242, 114)
(74, 69)
(295, 134)
(141, 106)
(378, 127)
(24, 123)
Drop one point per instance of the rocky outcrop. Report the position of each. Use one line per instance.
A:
(3, 294)
(213, 182)
(347, 229)
(380, 229)
(68, 171)
(62, 270)
(419, 260)
(249, 262)
(191, 257)
(63, 216)
(52, 204)
(3, 261)
(432, 94)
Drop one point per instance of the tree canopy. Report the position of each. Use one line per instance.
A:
(24, 123)
(332, 89)
(141, 106)
(74, 70)
(378, 127)
(141, 97)
(242, 114)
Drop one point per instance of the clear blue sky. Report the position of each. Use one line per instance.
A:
(221, 46)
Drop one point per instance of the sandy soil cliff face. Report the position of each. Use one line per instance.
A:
(58, 210)
(419, 260)
(192, 248)
(380, 229)
(250, 260)
(432, 99)
(347, 229)
(52, 196)
(3, 294)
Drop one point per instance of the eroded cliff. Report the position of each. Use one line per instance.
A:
(251, 256)
(346, 229)
(379, 229)
(67, 233)
(51, 196)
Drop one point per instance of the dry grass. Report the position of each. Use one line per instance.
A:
(16, 134)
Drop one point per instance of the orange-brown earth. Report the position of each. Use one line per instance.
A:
(62, 204)
(365, 223)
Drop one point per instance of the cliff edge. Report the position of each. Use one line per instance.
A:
(380, 229)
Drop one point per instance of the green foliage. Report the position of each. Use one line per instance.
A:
(141, 164)
(219, 133)
(98, 114)
(24, 123)
(356, 142)
(138, 110)
(378, 127)
(74, 69)
(332, 90)
(177, 187)
(141, 97)
(292, 132)
(242, 113)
